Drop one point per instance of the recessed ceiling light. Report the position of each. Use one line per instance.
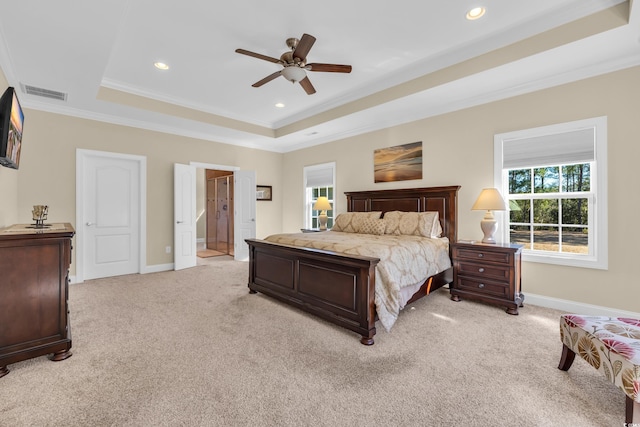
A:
(161, 65)
(280, 105)
(476, 13)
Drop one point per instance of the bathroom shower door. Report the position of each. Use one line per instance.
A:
(220, 214)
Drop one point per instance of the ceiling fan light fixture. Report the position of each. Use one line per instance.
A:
(293, 74)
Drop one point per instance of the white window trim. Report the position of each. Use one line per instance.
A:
(600, 257)
(306, 212)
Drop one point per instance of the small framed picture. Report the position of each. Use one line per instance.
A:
(263, 192)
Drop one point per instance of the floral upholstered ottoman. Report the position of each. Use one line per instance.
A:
(612, 346)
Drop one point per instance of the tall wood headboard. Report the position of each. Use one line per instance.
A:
(441, 199)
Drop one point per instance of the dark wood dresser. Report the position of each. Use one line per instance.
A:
(488, 273)
(34, 281)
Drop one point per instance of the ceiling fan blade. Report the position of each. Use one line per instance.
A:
(303, 47)
(267, 79)
(258, 55)
(329, 68)
(307, 86)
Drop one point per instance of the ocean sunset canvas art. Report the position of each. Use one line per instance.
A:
(399, 163)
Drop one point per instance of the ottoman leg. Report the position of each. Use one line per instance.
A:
(629, 412)
(566, 360)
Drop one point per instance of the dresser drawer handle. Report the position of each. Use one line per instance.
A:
(481, 270)
(481, 285)
(480, 255)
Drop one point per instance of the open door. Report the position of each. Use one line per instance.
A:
(244, 211)
(184, 199)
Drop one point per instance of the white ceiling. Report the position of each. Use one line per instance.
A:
(99, 55)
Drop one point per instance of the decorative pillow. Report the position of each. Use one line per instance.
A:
(372, 226)
(349, 222)
(425, 224)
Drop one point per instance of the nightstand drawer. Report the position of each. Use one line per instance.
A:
(480, 270)
(479, 254)
(478, 286)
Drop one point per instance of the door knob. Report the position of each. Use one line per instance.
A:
(89, 224)
(179, 222)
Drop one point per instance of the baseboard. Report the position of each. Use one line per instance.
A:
(157, 268)
(148, 269)
(577, 307)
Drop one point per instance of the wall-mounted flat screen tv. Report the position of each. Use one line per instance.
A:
(11, 122)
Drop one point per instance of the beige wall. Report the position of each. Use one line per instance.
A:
(458, 149)
(8, 183)
(47, 171)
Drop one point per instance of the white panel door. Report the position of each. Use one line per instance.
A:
(184, 199)
(111, 215)
(245, 212)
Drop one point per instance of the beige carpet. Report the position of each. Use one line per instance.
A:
(193, 348)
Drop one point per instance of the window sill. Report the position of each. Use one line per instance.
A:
(565, 260)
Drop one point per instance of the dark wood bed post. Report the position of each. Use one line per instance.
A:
(337, 287)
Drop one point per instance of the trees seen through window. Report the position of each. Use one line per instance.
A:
(549, 207)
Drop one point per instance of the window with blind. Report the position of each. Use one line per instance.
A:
(319, 180)
(554, 181)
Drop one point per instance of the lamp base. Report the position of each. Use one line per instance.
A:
(489, 227)
(322, 220)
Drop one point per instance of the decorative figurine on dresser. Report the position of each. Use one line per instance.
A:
(34, 317)
(488, 272)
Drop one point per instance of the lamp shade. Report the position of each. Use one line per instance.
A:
(489, 200)
(322, 204)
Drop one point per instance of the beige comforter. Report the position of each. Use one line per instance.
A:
(404, 261)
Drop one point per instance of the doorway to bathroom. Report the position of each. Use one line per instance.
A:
(219, 208)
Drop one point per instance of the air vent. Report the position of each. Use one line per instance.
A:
(46, 93)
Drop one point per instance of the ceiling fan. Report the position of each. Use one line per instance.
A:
(295, 64)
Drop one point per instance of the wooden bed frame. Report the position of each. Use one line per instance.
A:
(339, 287)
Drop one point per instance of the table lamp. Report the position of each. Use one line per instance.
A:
(322, 205)
(489, 200)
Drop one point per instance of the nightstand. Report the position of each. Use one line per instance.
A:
(487, 272)
(312, 230)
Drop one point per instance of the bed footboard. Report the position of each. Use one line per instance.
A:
(333, 286)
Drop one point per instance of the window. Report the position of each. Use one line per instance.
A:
(553, 179)
(318, 181)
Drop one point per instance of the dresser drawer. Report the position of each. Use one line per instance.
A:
(482, 255)
(478, 286)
